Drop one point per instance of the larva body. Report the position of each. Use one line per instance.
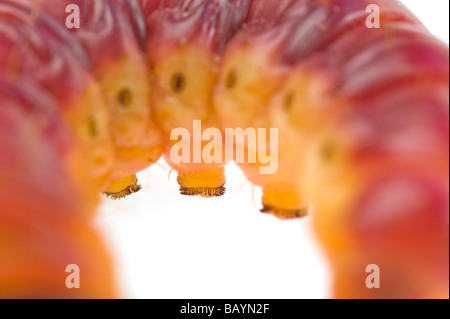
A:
(186, 40)
(362, 119)
(34, 46)
(44, 223)
(113, 38)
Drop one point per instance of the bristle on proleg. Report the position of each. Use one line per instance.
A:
(284, 214)
(203, 191)
(205, 183)
(124, 193)
(122, 188)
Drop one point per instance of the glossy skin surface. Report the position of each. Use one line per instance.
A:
(44, 225)
(185, 43)
(51, 51)
(112, 35)
(355, 107)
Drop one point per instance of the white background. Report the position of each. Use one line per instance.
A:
(165, 245)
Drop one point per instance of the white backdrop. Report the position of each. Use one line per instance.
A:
(165, 245)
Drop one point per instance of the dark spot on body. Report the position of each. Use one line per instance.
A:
(231, 79)
(328, 151)
(125, 97)
(178, 82)
(92, 127)
(288, 100)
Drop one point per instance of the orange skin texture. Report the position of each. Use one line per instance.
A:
(119, 64)
(384, 209)
(51, 231)
(136, 138)
(256, 97)
(190, 45)
(68, 80)
(344, 140)
(385, 173)
(43, 112)
(174, 110)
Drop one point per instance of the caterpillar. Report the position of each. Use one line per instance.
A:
(361, 116)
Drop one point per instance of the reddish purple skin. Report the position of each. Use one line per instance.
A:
(133, 15)
(32, 165)
(48, 53)
(35, 103)
(406, 236)
(178, 22)
(310, 27)
(373, 70)
(108, 28)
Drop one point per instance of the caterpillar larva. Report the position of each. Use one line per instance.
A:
(37, 49)
(44, 224)
(361, 116)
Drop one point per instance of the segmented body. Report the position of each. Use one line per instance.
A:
(362, 118)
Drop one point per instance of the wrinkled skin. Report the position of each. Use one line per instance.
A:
(357, 110)
(49, 230)
(112, 36)
(185, 42)
(50, 50)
